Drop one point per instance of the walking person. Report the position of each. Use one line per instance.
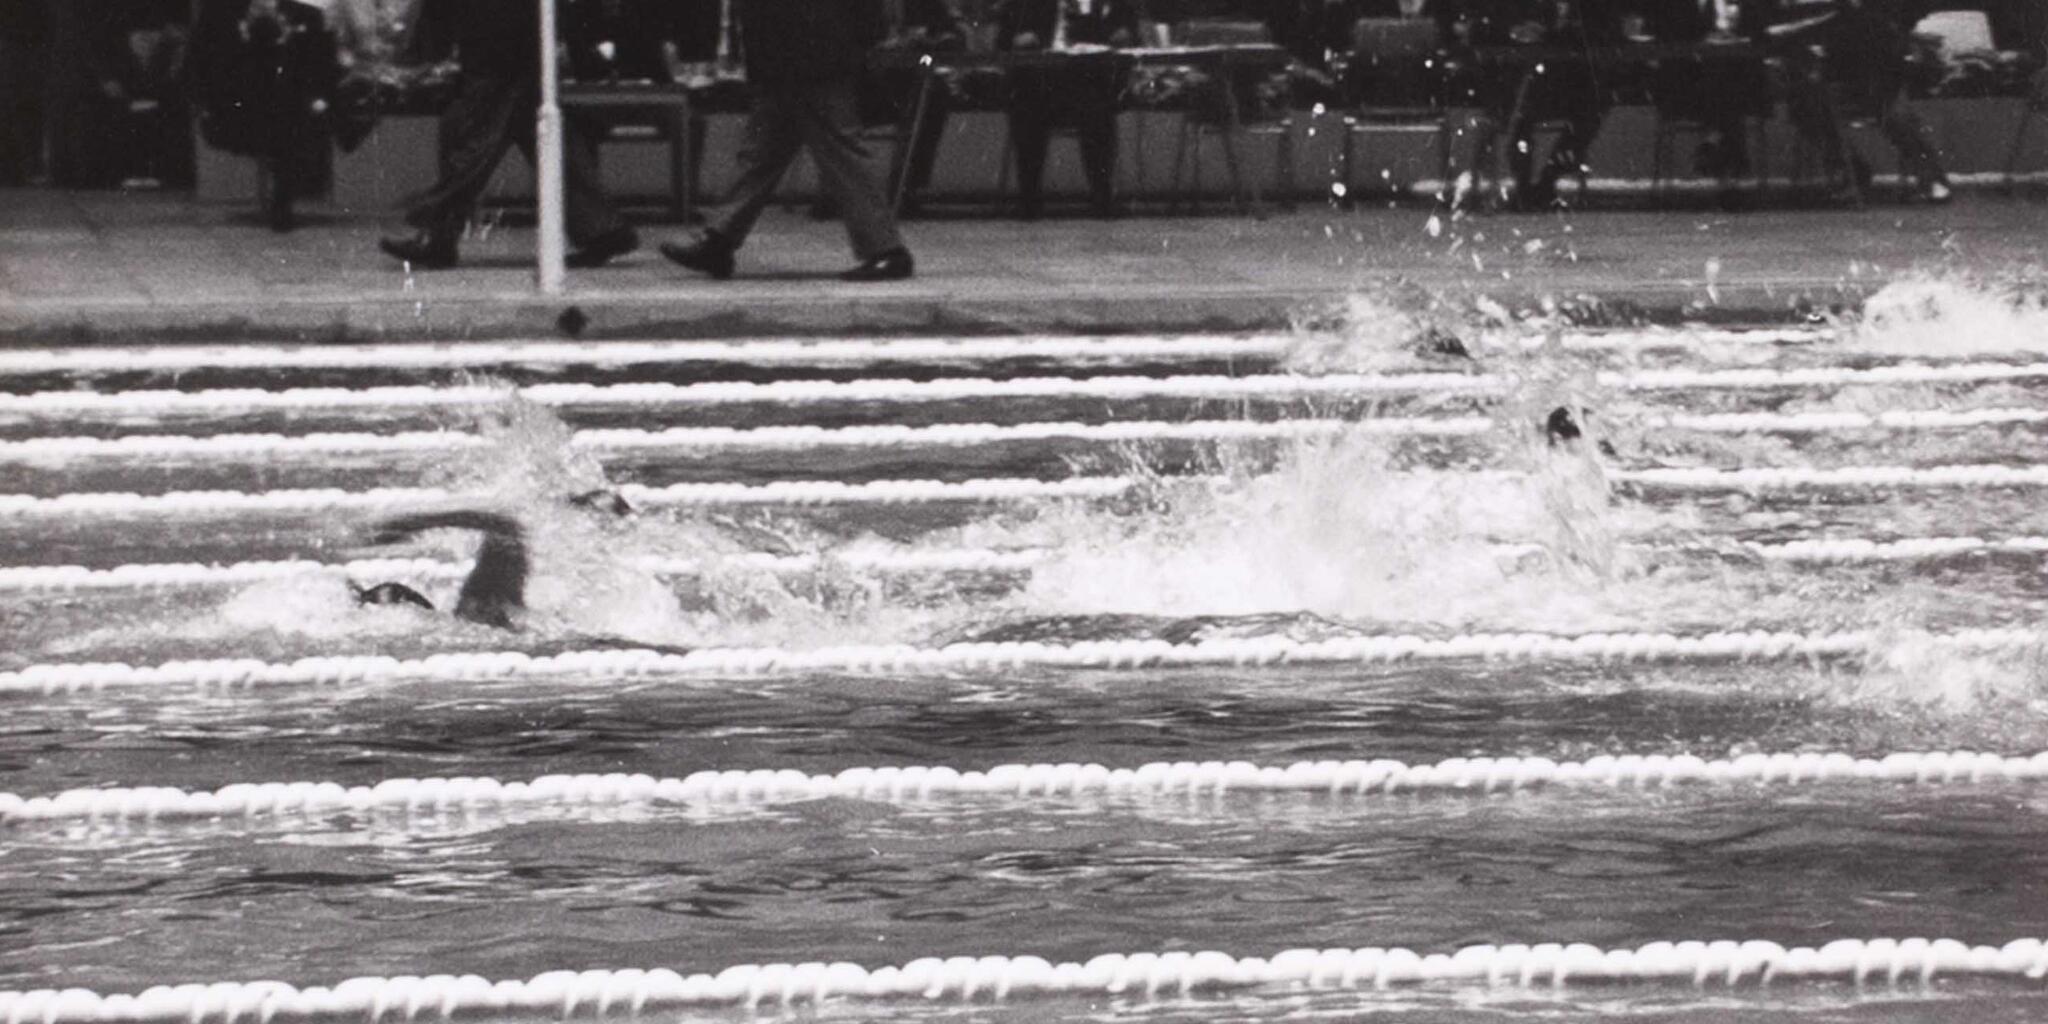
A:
(496, 96)
(804, 62)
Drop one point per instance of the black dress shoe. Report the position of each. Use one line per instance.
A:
(603, 249)
(894, 265)
(709, 255)
(425, 250)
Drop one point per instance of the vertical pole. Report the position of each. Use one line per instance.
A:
(547, 160)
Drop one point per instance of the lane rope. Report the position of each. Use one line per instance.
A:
(788, 492)
(803, 438)
(1475, 776)
(690, 439)
(555, 354)
(168, 575)
(771, 351)
(612, 664)
(1271, 386)
(601, 994)
(77, 505)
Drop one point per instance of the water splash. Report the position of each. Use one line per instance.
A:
(1935, 316)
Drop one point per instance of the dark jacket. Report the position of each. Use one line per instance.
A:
(933, 22)
(493, 36)
(804, 42)
(635, 29)
(1495, 22)
(1099, 27)
(693, 25)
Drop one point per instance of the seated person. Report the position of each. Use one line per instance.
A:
(1316, 33)
(1844, 59)
(1562, 89)
(1083, 94)
(138, 127)
(1718, 94)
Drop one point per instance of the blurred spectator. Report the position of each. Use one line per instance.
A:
(24, 37)
(137, 126)
(1318, 34)
(371, 35)
(1555, 83)
(1080, 93)
(1719, 95)
(1846, 59)
(496, 96)
(264, 73)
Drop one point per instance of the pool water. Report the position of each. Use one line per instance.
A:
(1356, 533)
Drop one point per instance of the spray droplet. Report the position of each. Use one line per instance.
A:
(1434, 227)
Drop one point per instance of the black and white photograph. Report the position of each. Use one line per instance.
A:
(1023, 511)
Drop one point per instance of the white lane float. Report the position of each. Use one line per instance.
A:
(1142, 977)
(613, 664)
(172, 575)
(788, 352)
(876, 390)
(792, 492)
(567, 795)
(694, 440)
(799, 493)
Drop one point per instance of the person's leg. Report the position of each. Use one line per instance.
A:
(588, 216)
(830, 121)
(1094, 114)
(1582, 126)
(1914, 139)
(772, 138)
(474, 135)
(1567, 95)
(1814, 115)
(1030, 133)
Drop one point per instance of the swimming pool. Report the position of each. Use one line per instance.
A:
(1522, 686)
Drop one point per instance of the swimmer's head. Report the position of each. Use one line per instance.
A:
(391, 593)
(1435, 341)
(603, 500)
(1561, 426)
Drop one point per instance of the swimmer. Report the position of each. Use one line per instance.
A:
(496, 587)
(1562, 428)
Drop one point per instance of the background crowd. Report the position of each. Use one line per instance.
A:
(97, 93)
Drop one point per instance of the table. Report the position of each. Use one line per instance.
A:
(1224, 59)
(671, 102)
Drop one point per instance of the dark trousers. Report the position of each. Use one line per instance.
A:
(823, 118)
(1820, 113)
(21, 111)
(1565, 94)
(1082, 97)
(492, 111)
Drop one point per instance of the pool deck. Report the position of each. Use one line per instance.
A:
(86, 267)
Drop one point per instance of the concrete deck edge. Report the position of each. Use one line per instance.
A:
(339, 319)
